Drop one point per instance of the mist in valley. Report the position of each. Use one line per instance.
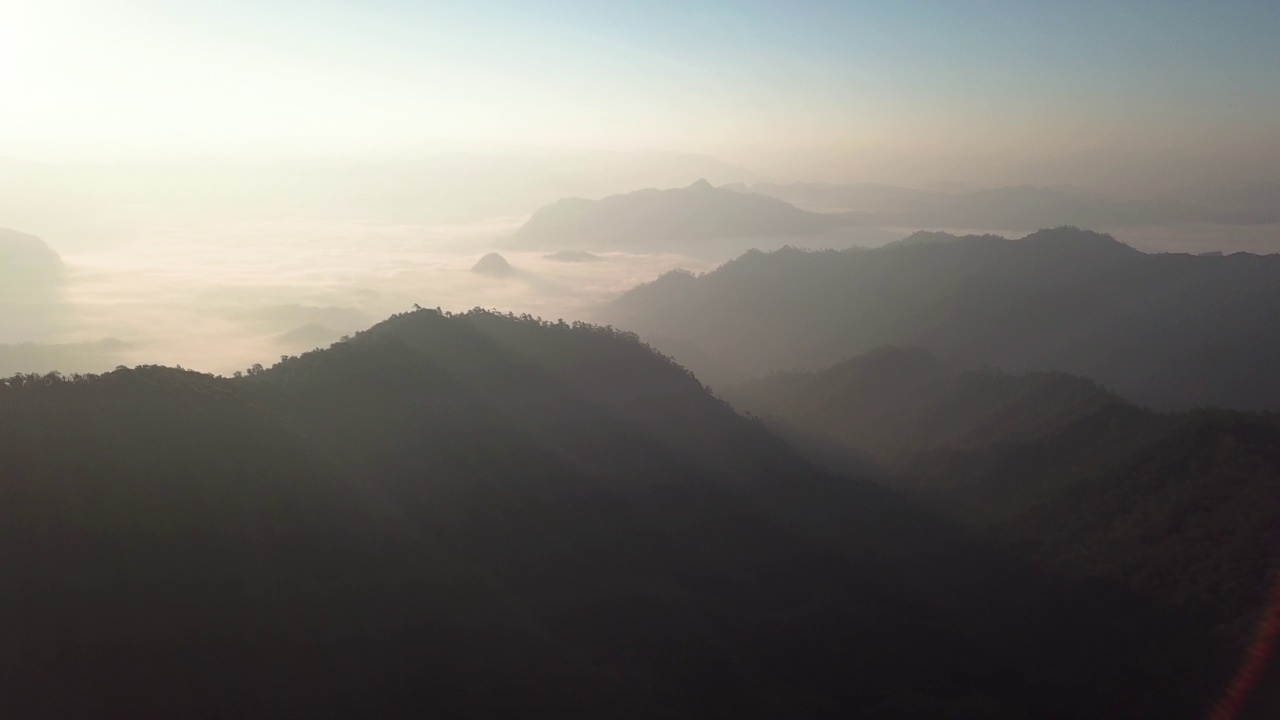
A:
(217, 268)
(220, 297)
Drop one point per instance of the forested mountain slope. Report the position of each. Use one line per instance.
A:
(1181, 506)
(478, 514)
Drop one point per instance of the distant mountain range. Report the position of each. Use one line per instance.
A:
(1023, 207)
(1166, 330)
(685, 218)
(484, 515)
(1178, 506)
(675, 218)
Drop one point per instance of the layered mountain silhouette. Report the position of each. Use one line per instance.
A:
(662, 218)
(1164, 330)
(1177, 506)
(477, 514)
(1022, 207)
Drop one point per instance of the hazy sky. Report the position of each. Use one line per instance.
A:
(128, 79)
(228, 180)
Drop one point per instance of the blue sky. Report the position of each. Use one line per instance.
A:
(131, 77)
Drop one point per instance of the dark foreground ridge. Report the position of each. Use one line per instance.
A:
(477, 514)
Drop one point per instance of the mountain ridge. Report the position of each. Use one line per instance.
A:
(1166, 330)
(1026, 206)
(659, 218)
(529, 515)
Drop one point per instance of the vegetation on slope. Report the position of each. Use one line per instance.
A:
(477, 514)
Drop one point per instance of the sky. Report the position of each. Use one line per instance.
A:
(743, 80)
(226, 181)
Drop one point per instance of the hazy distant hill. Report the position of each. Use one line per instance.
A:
(1164, 330)
(665, 218)
(1019, 208)
(1237, 202)
(493, 265)
(1181, 506)
(31, 279)
(25, 259)
(896, 400)
(834, 197)
(481, 514)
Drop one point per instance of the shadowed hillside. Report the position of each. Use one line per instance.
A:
(478, 514)
(1180, 506)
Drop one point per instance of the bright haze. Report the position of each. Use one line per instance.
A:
(224, 183)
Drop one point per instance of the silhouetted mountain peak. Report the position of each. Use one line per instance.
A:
(1069, 237)
(927, 237)
(669, 280)
(697, 212)
(26, 252)
(494, 265)
(1153, 326)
